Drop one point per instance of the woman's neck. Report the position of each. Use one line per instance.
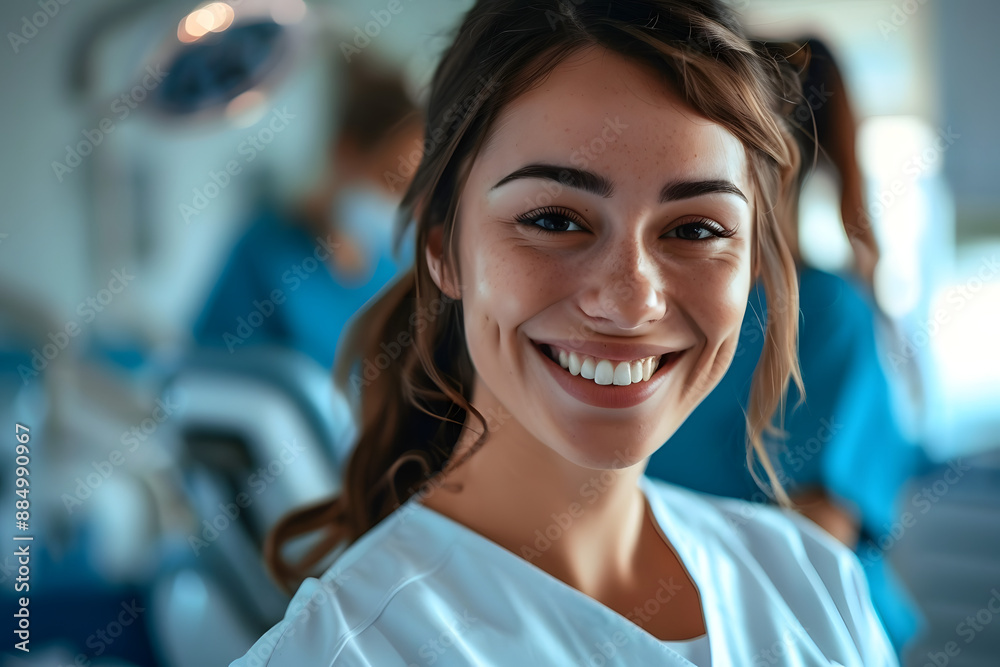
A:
(581, 525)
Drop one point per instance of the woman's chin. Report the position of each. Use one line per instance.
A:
(606, 454)
(603, 444)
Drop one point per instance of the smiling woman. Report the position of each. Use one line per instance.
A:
(587, 287)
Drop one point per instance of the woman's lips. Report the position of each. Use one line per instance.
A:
(609, 394)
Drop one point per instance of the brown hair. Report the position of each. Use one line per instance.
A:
(407, 353)
(827, 128)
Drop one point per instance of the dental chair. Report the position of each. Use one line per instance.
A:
(261, 431)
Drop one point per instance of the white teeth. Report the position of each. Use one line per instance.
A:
(635, 371)
(574, 363)
(604, 373)
(623, 374)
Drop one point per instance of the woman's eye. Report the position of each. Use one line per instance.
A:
(549, 221)
(556, 223)
(698, 231)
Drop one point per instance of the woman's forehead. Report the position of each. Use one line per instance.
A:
(598, 110)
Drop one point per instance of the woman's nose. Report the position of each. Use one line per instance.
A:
(625, 289)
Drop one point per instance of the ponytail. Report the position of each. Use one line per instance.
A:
(404, 364)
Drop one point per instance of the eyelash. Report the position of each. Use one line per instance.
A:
(713, 228)
(530, 218)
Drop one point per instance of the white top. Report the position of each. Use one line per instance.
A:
(421, 589)
(696, 650)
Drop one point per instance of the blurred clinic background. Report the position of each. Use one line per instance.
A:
(197, 198)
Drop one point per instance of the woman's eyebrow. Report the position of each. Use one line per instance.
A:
(689, 189)
(568, 176)
(601, 186)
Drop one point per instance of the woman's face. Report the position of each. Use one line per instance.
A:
(604, 253)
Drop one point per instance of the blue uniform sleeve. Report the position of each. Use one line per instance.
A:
(246, 276)
(845, 437)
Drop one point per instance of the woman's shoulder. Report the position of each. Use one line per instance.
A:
(827, 299)
(269, 229)
(755, 526)
(810, 570)
(328, 612)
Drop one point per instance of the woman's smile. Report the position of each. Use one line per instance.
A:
(605, 382)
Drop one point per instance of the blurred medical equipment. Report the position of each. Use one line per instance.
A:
(116, 518)
(262, 431)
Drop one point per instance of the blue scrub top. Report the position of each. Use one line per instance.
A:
(844, 438)
(277, 289)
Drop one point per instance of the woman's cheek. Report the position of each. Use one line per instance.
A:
(516, 281)
(716, 294)
(733, 300)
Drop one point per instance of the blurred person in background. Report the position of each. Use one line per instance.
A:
(308, 269)
(843, 457)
